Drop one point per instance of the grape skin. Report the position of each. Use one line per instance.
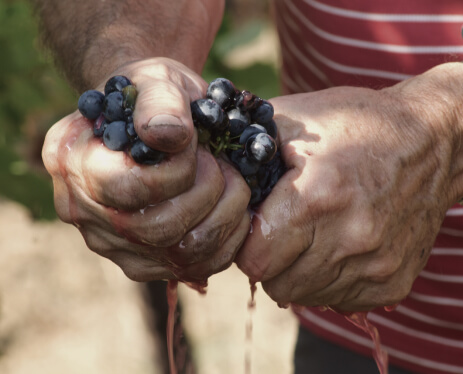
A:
(90, 104)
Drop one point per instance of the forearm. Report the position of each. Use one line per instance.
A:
(91, 38)
(431, 104)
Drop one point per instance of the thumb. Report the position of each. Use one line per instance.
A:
(162, 116)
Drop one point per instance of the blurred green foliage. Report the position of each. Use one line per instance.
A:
(33, 96)
(258, 78)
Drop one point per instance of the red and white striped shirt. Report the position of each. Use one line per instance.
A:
(377, 43)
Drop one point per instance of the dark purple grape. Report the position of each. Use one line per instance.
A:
(222, 91)
(263, 175)
(208, 114)
(128, 115)
(236, 155)
(115, 136)
(270, 173)
(245, 165)
(238, 121)
(251, 130)
(116, 83)
(246, 101)
(260, 147)
(271, 128)
(262, 113)
(142, 154)
(90, 104)
(112, 106)
(131, 133)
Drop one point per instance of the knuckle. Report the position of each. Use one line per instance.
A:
(224, 261)
(205, 243)
(167, 231)
(385, 269)
(126, 192)
(162, 67)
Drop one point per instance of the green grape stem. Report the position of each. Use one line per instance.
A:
(224, 143)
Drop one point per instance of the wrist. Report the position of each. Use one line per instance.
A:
(431, 103)
(183, 32)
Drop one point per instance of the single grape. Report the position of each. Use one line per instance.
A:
(238, 121)
(245, 101)
(260, 147)
(262, 113)
(112, 106)
(116, 83)
(208, 114)
(245, 165)
(90, 104)
(271, 128)
(142, 154)
(251, 130)
(222, 91)
(130, 96)
(115, 136)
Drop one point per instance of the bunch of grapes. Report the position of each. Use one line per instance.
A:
(112, 113)
(236, 123)
(241, 125)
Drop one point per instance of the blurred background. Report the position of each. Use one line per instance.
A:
(64, 309)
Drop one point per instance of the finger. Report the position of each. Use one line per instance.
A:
(166, 223)
(277, 239)
(129, 256)
(114, 179)
(56, 155)
(221, 259)
(162, 116)
(202, 242)
(80, 160)
(139, 268)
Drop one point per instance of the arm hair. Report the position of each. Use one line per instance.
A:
(91, 38)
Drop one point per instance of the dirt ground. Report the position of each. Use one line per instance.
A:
(65, 310)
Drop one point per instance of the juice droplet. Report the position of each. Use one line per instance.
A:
(200, 286)
(252, 301)
(391, 308)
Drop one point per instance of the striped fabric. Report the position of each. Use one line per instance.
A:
(376, 43)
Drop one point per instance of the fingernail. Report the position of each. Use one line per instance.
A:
(165, 120)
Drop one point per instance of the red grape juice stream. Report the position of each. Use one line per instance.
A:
(248, 342)
(360, 320)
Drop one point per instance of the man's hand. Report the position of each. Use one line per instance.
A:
(371, 175)
(185, 217)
